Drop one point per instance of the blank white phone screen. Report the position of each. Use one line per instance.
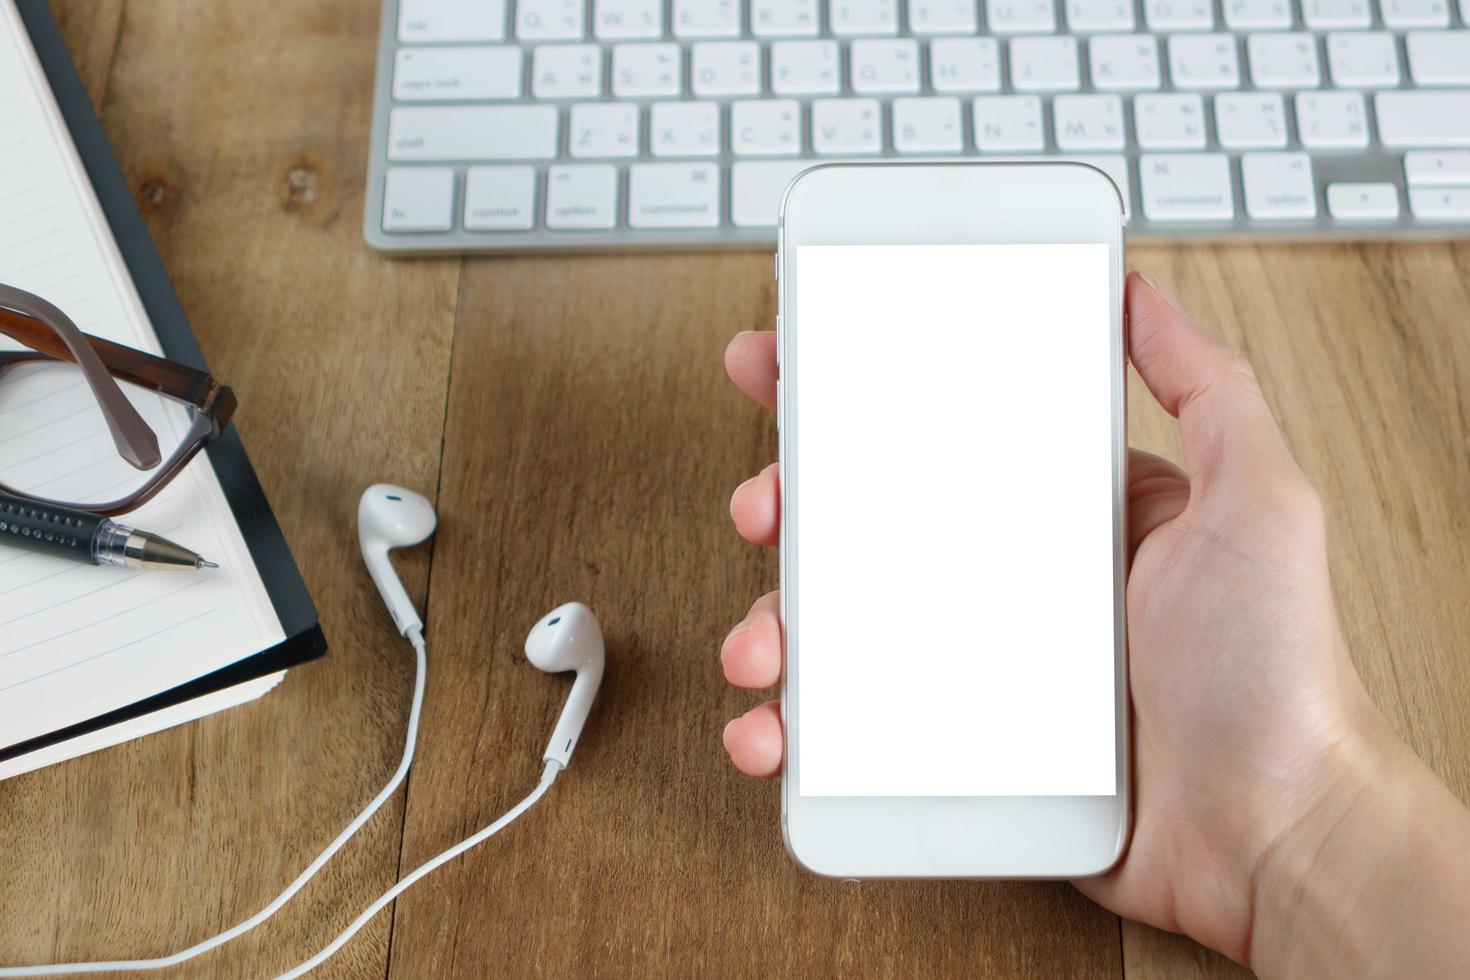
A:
(954, 520)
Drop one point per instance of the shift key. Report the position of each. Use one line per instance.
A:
(472, 133)
(1423, 119)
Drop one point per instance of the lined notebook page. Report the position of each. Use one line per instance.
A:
(78, 640)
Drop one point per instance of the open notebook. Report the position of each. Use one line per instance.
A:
(91, 656)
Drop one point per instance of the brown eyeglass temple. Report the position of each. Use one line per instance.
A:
(45, 328)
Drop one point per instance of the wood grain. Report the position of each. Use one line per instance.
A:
(589, 444)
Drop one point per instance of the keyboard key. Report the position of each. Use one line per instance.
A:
(582, 196)
(513, 132)
(726, 68)
(1423, 119)
(684, 129)
(804, 68)
(1126, 63)
(847, 126)
(1363, 59)
(422, 21)
(706, 18)
(566, 71)
(1440, 203)
(1257, 15)
(1363, 202)
(549, 20)
(1324, 15)
(604, 129)
(930, 125)
(1437, 168)
(964, 64)
(1169, 122)
(418, 199)
(1044, 64)
(881, 66)
(499, 198)
(1020, 16)
(1008, 124)
(767, 127)
(641, 71)
(674, 195)
(1278, 186)
(1331, 120)
(852, 18)
(1287, 60)
(479, 73)
(756, 188)
(1088, 122)
(1179, 15)
(628, 20)
(1250, 120)
(1203, 61)
(785, 18)
(942, 17)
(1415, 13)
(1087, 16)
(1185, 187)
(1439, 57)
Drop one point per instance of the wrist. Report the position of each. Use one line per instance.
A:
(1301, 885)
(1352, 884)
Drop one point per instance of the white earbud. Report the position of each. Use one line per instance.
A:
(569, 638)
(391, 517)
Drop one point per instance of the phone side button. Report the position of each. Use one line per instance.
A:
(780, 406)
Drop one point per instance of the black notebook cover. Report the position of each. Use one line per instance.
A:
(304, 640)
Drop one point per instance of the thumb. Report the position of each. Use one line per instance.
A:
(1231, 442)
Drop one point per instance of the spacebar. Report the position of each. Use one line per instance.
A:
(472, 133)
(1428, 119)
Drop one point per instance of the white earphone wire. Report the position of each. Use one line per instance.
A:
(410, 741)
(547, 778)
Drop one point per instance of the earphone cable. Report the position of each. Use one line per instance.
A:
(415, 637)
(548, 777)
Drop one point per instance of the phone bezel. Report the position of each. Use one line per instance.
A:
(940, 203)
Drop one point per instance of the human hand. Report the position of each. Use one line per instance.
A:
(1255, 742)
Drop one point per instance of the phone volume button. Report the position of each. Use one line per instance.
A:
(780, 406)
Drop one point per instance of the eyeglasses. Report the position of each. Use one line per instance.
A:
(93, 425)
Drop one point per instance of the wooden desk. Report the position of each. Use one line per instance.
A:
(573, 416)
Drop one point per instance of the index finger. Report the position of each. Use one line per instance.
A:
(750, 361)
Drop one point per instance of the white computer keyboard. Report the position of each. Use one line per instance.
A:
(567, 124)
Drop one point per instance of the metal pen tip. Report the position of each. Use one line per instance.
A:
(206, 563)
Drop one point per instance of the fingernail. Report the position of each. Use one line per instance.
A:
(1164, 294)
(728, 725)
(740, 627)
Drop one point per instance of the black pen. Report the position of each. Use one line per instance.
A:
(80, 536)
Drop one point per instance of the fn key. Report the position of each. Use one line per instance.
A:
(419, 199)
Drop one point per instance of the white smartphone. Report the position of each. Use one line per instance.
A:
(953, 540)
